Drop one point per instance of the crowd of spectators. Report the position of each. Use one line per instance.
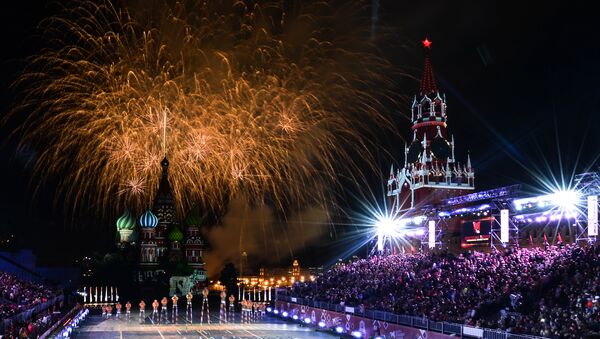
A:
(552, 292)
(17, 295)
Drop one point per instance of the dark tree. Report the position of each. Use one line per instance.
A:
(228, 279)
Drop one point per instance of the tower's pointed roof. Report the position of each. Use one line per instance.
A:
(164, 203)
(428, 83)
(164, 188)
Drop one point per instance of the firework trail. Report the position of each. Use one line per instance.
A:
(263, 100)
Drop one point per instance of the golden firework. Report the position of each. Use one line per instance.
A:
(262, 99)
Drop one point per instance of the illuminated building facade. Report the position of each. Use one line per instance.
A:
(432, 203)
(160, 237)
(279, 277)
(430, 172)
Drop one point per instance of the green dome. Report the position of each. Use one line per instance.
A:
(194, 218)
(176, 234)
(126, 221)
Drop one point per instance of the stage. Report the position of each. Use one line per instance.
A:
(97, 327)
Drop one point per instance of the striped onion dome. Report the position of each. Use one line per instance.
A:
(126, 221)
(148, 220)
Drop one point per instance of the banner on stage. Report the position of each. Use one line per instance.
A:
(504, 226)
(431, 233)
(592, 215)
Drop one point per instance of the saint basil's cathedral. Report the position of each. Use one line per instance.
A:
(160, 238)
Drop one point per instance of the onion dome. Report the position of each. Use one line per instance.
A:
(126, 221)
(440, 148)
(194, 218)
(176, 234)
(414, 151)
(148, 220)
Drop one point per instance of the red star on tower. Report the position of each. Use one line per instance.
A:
(426, 43)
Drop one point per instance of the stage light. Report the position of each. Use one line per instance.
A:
(565, 199)
(276, 311)
(321, 324)
(284, 314)
(356, 334)
(307, 320)
(386, 226)
(562, 199)
(269, 309)
(339, 329)
(295, 317)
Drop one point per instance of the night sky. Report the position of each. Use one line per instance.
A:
(521, 82)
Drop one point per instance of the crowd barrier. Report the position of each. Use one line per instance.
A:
(28, 314)
(55, 327)
(387, 324)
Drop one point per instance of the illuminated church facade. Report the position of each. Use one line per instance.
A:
(160, 239)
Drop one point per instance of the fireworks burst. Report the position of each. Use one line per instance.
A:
(263, 100)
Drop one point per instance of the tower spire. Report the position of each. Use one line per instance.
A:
(453, 158)
(469, 160)
(428, 83)
(165, 134)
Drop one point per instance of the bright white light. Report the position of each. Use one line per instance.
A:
(419, 219)
(565, 199)
(386, 227)
(285, 314)
(276, 311)
(356, 334)
(307, 320)
(339, 329)
(295, 317)
(321, 324)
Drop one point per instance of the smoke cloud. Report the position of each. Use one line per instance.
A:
(266, 240)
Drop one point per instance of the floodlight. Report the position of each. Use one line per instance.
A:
(386, 226)
(565, 199)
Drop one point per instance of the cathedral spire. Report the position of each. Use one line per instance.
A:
(428, 83)
(165, 135)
